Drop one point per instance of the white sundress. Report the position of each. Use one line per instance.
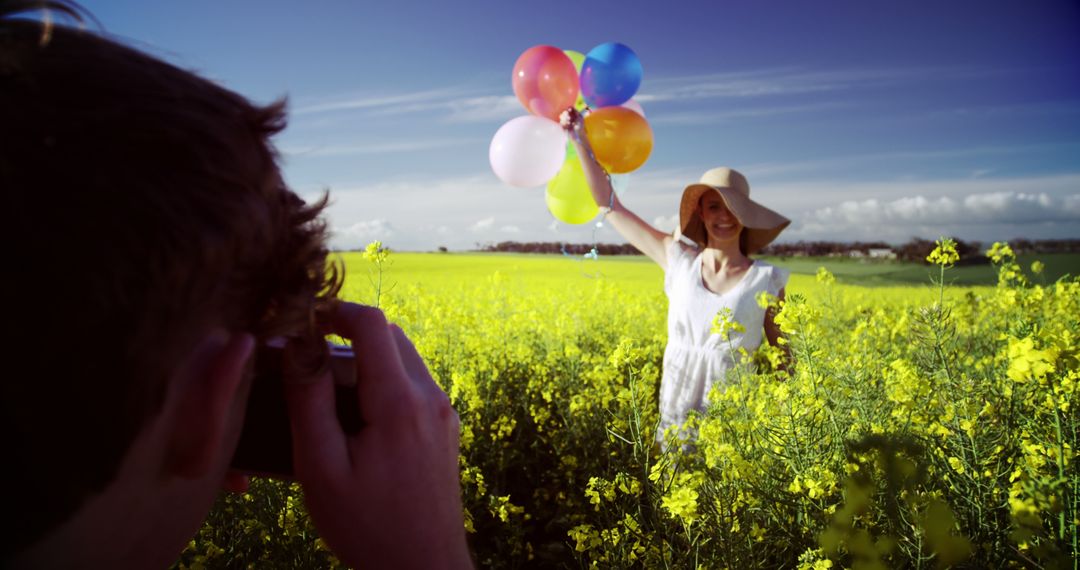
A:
(695, 358)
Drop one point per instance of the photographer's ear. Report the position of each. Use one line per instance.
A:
(207, 404)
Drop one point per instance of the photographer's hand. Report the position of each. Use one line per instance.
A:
(389, 496)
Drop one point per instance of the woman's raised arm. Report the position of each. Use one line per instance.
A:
(647, 239)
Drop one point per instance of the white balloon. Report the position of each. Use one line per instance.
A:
(635, 107)
(527, 151)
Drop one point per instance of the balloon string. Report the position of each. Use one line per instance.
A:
(594, 253)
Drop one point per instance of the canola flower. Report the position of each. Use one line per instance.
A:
(724, 324)
(378, 255)
(944, 254)
(902, 435)
(682, 504)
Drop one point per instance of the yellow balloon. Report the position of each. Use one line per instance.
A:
(621, 139)
(568, 197)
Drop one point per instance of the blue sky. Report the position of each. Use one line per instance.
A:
(858, 120)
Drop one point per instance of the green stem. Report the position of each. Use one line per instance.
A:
(378, 288)
(975, 478)
(1061, 473)
(941, 287)
(837, 434)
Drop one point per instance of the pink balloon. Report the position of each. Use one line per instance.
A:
(527, 151)
(634, 106)
(545, 81)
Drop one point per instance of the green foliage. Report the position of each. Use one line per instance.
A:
(266, 527)
(917, 427)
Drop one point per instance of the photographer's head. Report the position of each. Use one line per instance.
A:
(151, 240)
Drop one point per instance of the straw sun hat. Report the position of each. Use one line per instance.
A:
(760, 224)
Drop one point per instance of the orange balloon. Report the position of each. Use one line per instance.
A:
(621, 139)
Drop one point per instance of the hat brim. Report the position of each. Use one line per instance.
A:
(760, 224)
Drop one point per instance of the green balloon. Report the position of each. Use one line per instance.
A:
(568, 197)
(579, 59)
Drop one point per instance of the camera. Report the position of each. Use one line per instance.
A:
(265, 446)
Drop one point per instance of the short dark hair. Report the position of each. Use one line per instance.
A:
(144, 205)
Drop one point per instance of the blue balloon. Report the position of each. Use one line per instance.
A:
(610, 75)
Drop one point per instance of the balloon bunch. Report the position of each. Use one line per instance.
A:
(531, 150)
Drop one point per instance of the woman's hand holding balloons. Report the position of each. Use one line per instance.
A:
(573, 122)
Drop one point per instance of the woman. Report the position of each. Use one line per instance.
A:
(717, 276)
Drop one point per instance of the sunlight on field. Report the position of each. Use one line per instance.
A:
(437, 270)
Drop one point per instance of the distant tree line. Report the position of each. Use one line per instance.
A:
(559, 247)
(824, 248)
(1022, 245)
(915, 250)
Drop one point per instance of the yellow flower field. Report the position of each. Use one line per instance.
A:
(924, 427)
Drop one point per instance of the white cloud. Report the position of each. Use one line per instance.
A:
(729, 85)
(482, 225)
(802, 196)
(458, 104)
(976, 216)
(459, 212)
(360, 233)
(996, 207)
(666, 223)
(707, 117)
(785, 81)
(470, 109)
(373, 101)
(1019, 207)
(484, 109)
(429, 209)
(1071, 204)
(381, 147)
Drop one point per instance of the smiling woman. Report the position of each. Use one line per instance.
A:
(712, 281)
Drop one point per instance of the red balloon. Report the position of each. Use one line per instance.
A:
(545, 81)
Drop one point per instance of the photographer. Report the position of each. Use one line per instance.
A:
(151, 247)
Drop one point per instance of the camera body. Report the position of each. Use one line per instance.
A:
(265, 446)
